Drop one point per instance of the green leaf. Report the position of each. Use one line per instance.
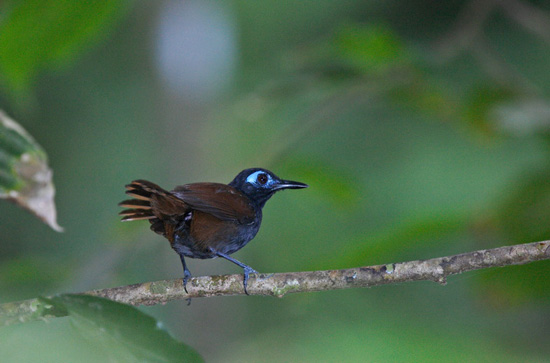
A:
(96, 330)
(37, 33)
(122, 332)
(25, 177)
(370, 49)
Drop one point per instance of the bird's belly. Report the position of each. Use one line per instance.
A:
(226, 238)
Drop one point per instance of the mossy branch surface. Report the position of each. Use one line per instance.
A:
(280, 284)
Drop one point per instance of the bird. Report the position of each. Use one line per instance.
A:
(206, 220)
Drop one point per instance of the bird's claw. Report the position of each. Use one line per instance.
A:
(247, 271)
(186, 277)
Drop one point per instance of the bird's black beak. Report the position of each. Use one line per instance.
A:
(289, 184)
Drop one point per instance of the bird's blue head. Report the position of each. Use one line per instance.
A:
(260, 184)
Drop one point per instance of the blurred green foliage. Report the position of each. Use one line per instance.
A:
(37, 34)
(421, 131)
(369, 49)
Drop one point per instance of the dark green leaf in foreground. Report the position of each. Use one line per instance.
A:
(122, 332)
(25, 177)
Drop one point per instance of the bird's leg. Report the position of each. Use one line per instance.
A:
(186, 273)
(247, 269)
(177, 246)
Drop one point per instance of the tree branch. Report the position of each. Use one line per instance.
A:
(280, 284)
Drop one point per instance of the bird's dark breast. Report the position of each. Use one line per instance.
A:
(204, 233)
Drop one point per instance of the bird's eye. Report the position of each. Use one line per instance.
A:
(262, 179)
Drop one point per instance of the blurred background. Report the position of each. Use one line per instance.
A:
(422, 128)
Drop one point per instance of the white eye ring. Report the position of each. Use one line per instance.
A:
(253, 179)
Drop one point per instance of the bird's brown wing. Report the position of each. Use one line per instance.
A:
(219, 200)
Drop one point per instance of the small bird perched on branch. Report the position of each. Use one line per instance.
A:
(206, 220)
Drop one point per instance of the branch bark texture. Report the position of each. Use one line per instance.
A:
(280, 284)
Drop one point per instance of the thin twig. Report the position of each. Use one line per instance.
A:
(280, 284)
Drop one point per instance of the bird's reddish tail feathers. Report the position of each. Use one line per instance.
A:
(140, 207)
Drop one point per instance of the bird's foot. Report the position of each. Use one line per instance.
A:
(186, 277)
(247, 271)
